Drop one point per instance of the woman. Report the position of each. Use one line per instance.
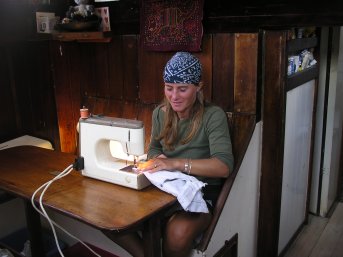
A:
(191, 136)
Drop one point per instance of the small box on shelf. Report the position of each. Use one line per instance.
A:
(46, 22)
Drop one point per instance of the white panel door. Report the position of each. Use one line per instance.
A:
(298, 128)
(332, 147)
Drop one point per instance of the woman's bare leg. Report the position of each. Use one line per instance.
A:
(181, 231)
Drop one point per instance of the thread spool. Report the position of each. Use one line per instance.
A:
(84, 113)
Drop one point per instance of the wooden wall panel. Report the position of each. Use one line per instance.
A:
(91, 75)
(223, 63)
(130, 110)
(245, 80)
(41, 90)
(113, 73)
(83, 67)
(66, 102)
(100, 65)
(31, 105)
(101, 106)
(240, 132)
(272, 143)
(235, 83)
(21, 64)
(115, 108)
(76, 78)
(145, 115)
(205, 57)
(130, 67)
(8, 126)
(115, 68)
(151, 65)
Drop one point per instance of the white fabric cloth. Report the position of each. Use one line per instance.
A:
(26, 140)
(186, 188)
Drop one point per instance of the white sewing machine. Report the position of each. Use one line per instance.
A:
(110, 148)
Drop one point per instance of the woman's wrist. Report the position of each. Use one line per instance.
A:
(187, 166)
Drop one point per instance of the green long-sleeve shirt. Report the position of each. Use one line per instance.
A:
(211, 140)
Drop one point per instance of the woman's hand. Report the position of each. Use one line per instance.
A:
(160, 162)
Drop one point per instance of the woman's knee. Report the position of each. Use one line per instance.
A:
(182, 229)
(178, 235)
(177, 239)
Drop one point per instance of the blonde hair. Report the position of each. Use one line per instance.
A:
(169, 132)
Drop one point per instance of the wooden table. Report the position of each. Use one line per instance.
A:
(105, 206)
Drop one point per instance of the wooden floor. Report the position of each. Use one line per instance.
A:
(322, 237)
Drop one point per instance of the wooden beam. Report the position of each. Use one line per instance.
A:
(272, 142)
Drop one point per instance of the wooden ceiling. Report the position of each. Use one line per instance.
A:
(250, 15)
(224, 15)
(18, 16)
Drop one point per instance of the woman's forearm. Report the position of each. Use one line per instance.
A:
(212, 167)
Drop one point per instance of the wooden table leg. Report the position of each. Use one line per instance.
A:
(152, 237)
(35, 230)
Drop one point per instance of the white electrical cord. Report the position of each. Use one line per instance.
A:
(45, 215)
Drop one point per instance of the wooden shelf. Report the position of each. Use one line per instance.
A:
(39, 37)
(84, 36)
(298, 44)
(302, 77)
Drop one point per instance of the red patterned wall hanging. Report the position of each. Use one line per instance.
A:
(171, 25)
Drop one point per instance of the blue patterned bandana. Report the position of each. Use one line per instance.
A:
(183, 68)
